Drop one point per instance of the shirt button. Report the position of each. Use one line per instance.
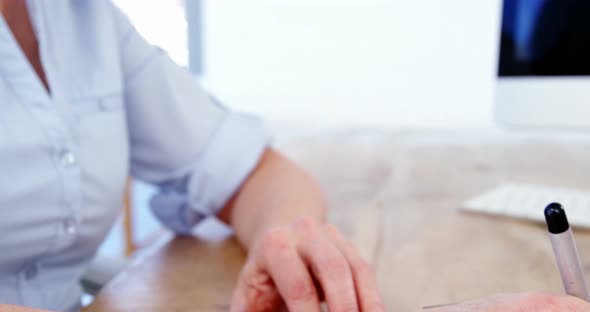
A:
(67, 159)
(30, 272)
(69, 226)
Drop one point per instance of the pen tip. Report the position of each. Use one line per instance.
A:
(556, 218)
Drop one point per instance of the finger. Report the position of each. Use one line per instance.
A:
(364, 279)
(255, 291)
(289, 272)
(333, 272)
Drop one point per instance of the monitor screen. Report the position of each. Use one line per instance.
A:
(545, 38)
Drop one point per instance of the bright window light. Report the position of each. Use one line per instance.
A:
(162, 23)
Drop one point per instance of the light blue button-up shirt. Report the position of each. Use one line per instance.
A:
(117, 107)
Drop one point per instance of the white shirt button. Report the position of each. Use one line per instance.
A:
(69, 226)
(67, 159)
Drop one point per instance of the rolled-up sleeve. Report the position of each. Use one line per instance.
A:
(196, 150)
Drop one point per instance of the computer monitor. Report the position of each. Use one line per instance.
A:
(544, 64)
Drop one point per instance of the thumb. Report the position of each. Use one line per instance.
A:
(255, 292)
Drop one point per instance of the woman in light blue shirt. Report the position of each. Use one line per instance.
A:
(84, 103)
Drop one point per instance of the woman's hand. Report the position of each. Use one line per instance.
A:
(526, 302)
(294, 267)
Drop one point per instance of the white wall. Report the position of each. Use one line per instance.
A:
(392, 63)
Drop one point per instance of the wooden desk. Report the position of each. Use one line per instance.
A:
(396, 197)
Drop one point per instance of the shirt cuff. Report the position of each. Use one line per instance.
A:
(227, 160)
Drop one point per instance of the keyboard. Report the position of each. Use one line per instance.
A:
(527, 201)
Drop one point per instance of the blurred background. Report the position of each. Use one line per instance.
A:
(309, 65)
(390, 63)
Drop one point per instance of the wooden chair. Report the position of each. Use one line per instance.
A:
(130, 245)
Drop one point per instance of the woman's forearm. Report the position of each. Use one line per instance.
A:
(276, 193)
